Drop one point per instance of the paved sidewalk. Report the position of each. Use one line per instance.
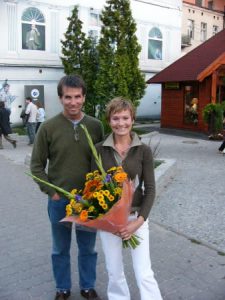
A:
(186, 236)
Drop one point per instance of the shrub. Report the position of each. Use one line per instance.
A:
(213, 116)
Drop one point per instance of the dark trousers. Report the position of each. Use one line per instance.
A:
(222, 146)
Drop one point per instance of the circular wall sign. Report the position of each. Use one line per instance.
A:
(35, 93)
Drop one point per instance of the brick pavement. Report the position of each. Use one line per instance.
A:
(184, 269)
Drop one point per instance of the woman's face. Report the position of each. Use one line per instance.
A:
(121, 122)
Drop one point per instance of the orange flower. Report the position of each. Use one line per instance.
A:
(84, 215)
(120, 177)
(90, 187)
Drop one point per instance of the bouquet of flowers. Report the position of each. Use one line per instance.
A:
(105, 200)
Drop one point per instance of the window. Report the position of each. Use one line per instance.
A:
(198, 2)
(155, 44)
(191, 104)
(190, 29)
(33, 29)
(203, 36)
(215, 29)
(94, 27)
(93, 34)
(94, 19)
(210, 4)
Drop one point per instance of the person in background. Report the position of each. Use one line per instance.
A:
(31, 110)
(124, 148)
(62, 143)
(222, 146)
(40, 114)
(6, 96)
(5, 128)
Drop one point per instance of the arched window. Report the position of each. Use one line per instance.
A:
(155, 44)
(33, 29)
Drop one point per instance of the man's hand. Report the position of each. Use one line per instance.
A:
(56, 197)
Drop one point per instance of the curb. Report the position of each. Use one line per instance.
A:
(27, 159)
(164, 173)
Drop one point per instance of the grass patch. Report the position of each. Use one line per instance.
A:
(157, 163)
(20, 130)
(139, 131)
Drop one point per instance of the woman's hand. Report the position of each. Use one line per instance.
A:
(132, 226)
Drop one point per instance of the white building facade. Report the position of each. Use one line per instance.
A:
(30, 46)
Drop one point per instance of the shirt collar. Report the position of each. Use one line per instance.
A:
(109, 141)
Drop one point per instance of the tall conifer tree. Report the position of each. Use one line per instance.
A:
(80, 57)
(73, 45)
(119, 73)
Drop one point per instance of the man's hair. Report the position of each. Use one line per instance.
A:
(73, 81)
(29, 98)
(119, 104)
(2, 104)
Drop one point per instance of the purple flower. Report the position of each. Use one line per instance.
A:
(78, 198)
(108, 178)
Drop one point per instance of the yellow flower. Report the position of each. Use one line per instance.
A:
(119, 169)
(72, 203)
(111, 169)
(101, 202)
(106, 193)
(96, 172)
(95, 194)
(91, 208)
(98, 177)
(78, 207)
(73, 192)
(100, 197)
(111, 197)
(89, 176)
(69, 210)
(105, 206)
(117, 191)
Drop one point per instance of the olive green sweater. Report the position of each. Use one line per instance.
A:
(58, 158)
(139, 166)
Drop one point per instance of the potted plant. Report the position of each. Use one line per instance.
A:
(213, 116)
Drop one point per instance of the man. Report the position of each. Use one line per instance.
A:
(62, 142)
(6, 96)
(32, 38)
(31, 112)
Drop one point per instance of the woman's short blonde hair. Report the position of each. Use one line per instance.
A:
(117, 105)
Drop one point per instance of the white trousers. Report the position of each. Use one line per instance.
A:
(117, 285)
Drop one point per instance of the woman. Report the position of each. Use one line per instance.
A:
(40, 114)
(5, 128)
(123, 147)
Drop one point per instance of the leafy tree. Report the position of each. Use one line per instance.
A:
(80, 57)
(89, 71)
(73, 45)
(119, 73)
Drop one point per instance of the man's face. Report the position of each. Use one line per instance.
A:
(6, 88)
(72, 101)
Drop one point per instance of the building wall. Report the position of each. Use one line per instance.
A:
(173, 107)
(213, 18)
(23, 66)
(216, 4)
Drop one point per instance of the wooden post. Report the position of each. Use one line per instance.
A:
(213, 87)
